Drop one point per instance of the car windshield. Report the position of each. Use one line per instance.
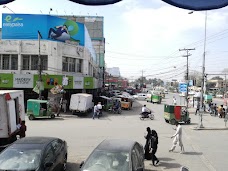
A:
(107, 161)
(20, 159)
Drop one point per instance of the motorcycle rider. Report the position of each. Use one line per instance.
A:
(145, 111)
(116, 105)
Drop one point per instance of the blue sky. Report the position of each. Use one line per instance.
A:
(147, 35)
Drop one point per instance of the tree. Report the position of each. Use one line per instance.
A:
(217, 78)
(196, 75)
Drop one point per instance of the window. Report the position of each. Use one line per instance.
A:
(25, 62)
(134, 160)
(5, 62)
(49, 156)
(14, 62)
(56, 145)
(30, 62)
(65, 64)
(79, 65)
(69, 64)
(8, 62)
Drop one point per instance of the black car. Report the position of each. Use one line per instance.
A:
(35, 154)
(115, 155)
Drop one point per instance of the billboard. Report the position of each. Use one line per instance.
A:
(26, 26)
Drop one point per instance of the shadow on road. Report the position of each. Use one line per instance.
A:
(167, 165)
(48, 119)
(193, 153)
(165, 159)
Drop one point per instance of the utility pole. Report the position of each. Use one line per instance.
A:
(142, 78)
(187, 79)
(39, 65)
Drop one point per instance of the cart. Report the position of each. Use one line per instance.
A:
(126, 103)
(39, 109)
(173, 113)
(106, 102)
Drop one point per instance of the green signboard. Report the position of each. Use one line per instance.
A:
(88, 82)
(6, 80)
(52, 80)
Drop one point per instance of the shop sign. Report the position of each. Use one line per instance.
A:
(22, 81)
(6, 80)
(88, 83)
(78, 82)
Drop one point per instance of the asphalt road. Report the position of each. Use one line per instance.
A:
(204, 150)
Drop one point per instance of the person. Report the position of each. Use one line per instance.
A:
(177, 138)
(154, 146)
(221, 111)
(64, 104)
(197, 107)
(215, 110)
(147, 147)
(99, 107)
(95, 112)
(58, 32)
(174, 101)
(145, 111)
(116, 105)
(23, 129)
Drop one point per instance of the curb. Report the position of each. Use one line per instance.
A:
(208, 128)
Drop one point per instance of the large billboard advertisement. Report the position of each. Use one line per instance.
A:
(26, 26)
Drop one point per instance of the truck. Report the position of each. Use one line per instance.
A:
(12, 112)
(81, 103)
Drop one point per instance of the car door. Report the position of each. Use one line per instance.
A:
(59, 153)
(49, 158)
(134, 160)
(140, 154)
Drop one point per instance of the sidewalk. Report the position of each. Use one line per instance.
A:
(209, 122)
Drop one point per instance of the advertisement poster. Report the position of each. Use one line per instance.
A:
(88, 82)
(22, 81)
(78, 83)
(6, 80)
(26, 26)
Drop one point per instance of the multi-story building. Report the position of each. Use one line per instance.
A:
(80, 58)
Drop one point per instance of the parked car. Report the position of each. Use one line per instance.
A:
(219, 96)
(36, 154)
(113, 155)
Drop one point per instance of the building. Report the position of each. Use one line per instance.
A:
(77, 60)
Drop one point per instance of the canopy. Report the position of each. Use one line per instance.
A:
(197, 5)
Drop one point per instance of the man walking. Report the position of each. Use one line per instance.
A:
(177, 138)
(95, 112)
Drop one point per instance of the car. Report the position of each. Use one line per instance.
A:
(115, 155)
(219, 96)
(166, 91)
(36, 154)
(141, 96)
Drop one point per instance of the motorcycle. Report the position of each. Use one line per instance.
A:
(148, 115)
(115, 111)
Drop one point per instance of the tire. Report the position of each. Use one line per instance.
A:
(52, 116)
(172, 121)
(64, 167)
(151, 117)
(31, 117)
(141, 118)
(166, 121)
(119, 111)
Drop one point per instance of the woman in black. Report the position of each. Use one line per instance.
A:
(147, 146)
(154, 146)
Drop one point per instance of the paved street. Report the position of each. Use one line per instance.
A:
(205, 149)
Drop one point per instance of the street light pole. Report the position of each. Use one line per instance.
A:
(203, 75)
(8, 9)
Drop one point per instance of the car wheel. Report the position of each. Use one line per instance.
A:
(173, 121)
(31, 117)
(52, 116)
(64, 168)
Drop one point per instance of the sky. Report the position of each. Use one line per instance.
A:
(144, 37)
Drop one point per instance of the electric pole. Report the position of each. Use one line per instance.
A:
(39, 65)
(187, 79)
(142, 78)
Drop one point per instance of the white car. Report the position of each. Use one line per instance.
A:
(141, 96)
(219, 96)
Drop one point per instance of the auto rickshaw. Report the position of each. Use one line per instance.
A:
(126, 103)
(106, 102)
(39, 109)
(154, 99)
(173, 113)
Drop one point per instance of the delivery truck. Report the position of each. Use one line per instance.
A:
(81, 103)
(12, 112)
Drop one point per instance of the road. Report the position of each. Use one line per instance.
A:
(205, 150)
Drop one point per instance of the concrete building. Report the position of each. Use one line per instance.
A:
(83, 69)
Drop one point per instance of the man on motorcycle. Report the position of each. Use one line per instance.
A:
(145, 111)
(117, 105)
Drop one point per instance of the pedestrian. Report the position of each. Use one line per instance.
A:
(147, 147)
(197, 107)
(174, 101)
(95, 112)
(64, 104)
(177, 138)
(154, 146)
(99, 107)
(23, 129)
(215, 109)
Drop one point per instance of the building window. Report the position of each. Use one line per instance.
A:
(34, 60)
(79, 65)
(14, 62)
(5, 62)
(69, 64)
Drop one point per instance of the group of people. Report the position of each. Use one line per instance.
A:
(151, 145)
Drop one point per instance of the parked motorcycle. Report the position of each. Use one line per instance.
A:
(144, 116)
